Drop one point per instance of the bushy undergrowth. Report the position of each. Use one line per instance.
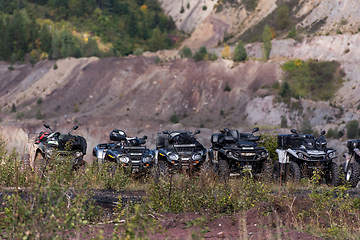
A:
(312, 80)
(201, 194)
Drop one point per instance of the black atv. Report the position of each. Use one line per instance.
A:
(350, 170)
(59, 147)
(234, 152)
(127, 152)
(177, 151)
(300, 154)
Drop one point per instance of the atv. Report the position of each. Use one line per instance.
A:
(236, 153)
(300, 154)
(127, 152)
(179, 151)
(59, 147)
(351, 170)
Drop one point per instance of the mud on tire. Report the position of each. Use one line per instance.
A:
(332, 177)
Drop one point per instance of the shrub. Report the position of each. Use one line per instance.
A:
(13, 108)
(185, 52)
(282, 17)
(139, 51)
(226, 52)
(306, 127)
(11, 68)
(39, 101)
(266, 42)
(269, 141)
(204, 7)
(39, 114)
(352, 129)
(157, 60)
(188, 5)
(312, 80)
(292, 33)
(200, 54)
(174, 118)
(240, 52)
(182, 10)
(227, 88)
(283, 122)
(55, 66)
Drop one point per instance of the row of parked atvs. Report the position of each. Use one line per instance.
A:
(231, 153)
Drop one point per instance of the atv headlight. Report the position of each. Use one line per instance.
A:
(300, 155)
(147, 159)
(173, 156)
(78, 154)
(332, 155)
(124, 159)
(197, 156)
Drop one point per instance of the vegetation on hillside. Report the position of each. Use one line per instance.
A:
(58, 29)
(312, 80)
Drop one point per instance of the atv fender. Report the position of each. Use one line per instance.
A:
(211, 155)
(282, 156)
(348, 158)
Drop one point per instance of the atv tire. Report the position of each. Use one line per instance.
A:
(332, 178)
(224, 172)
(276, 172)
(352, 176)
(293, 172)
(267, 171)
(163, 170)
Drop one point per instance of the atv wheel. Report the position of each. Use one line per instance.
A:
(332, 177)
(163, 169)
(207, 168)
(352, 176)
(276, 172)
(293, 173)
(224, 172)
(267, 171)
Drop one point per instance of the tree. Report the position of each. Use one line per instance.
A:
(156, 42)
(132, 28)
(45, 38)
(185, 52)
(352, 128)
(240, 52)
(226, 52)
(266, 42)
(282, 17)
(200, 55)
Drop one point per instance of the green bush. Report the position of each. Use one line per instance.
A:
(185, 52)
(266, 42)
(283, 122)
(292, 33)
(139, 51)
(269, 141)
(227, 88)
(352, 129)
(174, 118)
(240, 52)
(13, 108)
(39, 114)
(311, 80)
(39, 101)
(200, 54)
(282, 17)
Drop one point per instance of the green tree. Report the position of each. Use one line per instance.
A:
(352, 129)
(45, 38)
(282, 17)
(200, 54)
(132, 27)
(156, 42)
(240, 52)
(285, 90)
(266, 42)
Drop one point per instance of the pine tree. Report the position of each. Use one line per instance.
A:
(156, 42)
(45, 38)
(240, 52)
(266, 45)
(132, 27)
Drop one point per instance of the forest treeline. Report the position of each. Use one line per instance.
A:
(74, 28)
